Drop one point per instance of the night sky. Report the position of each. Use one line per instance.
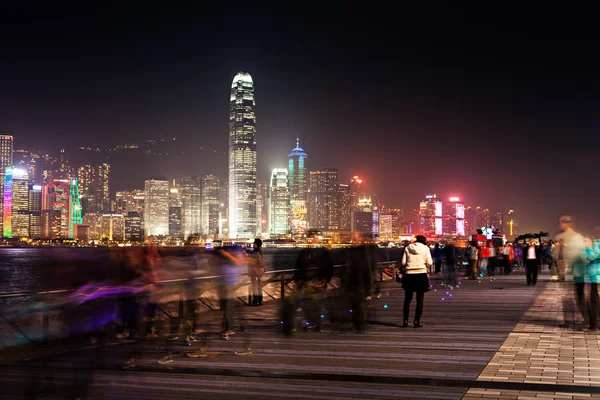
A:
(498, 106)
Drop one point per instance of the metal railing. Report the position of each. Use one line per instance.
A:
(282, 277)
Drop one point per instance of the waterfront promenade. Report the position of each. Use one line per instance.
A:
(490, 339)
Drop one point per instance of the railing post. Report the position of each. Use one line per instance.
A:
(283, 286)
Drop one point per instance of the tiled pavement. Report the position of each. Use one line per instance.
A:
(538, 351)
(487, 339)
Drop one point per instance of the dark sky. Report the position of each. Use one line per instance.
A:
(496, 105)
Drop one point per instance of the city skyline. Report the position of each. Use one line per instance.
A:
(489, 115)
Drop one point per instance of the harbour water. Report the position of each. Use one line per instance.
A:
(33, 269)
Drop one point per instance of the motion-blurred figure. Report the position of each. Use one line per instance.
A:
(438, 258)
(359, 283)
(416, 260)
(571, 246)
(450, 255)
(592, 255)
(472, 255)
(256, 270)
(532, 263)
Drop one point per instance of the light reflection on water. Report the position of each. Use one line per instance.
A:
(33, 269)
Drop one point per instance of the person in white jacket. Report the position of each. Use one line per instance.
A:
(416, 260)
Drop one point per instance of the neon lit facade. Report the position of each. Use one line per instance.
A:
(242, 158)
(298, 184)
(55, 196)
(75, 207)
(7, 209)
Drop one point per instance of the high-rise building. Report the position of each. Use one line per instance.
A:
(156, 213)
(133, 227)
(191, 205)
(125, 202)
(454, 217)
(323, 210)
(298, 186)
(430, 215)
(262, 215)
(391, 224)
(498, 221)
(210, 206)
(16, 203)
(357, 191)
(280, 202)
(113, 227)
(6, 160)
(242, 158)
(56, 196)
(6, 152)
(94, 223)
(51, 224)
(175, 213)
(94, 188)
(35, 211)
(344, 206)
(74, 207)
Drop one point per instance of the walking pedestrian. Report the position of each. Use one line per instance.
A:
(472, 255)
(438, 254)
(592, 255)
(256, 270)
(532, 262)
(450, 255)
(416, 260)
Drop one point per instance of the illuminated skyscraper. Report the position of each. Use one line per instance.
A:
(191, 205)
(113, 227)
(344, 206)
(210, 206)
(280, 202)
(357, 191)
(35, 211)
(6, 160)
(323, 209)
(16, 203)
(430, 215)
(242, 158)
(298, 185)
(454, 217)
(94, 187)
(156, 213)
(175, 213)
(6, 152)
(74, 207)
(55, 196)
(133, 227)
(124, 202)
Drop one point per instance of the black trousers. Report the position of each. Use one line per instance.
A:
(591, 308)
(438, 266)
(408, 296)
(506, 264)
(532, 271)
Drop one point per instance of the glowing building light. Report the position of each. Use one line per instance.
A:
(8, 187)
(453, 199)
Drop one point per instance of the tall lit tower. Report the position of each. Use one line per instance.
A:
(298, 184)
(6, 160)
(280, 202)
(323, 208)
(75, 207)
(210, 206)
(242, 157)
(156, 213)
